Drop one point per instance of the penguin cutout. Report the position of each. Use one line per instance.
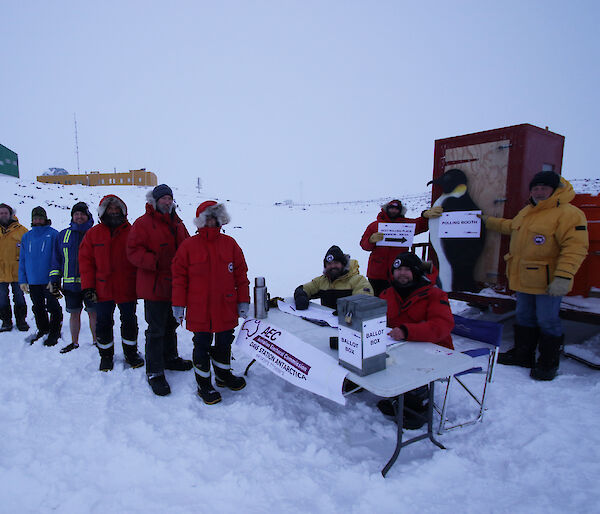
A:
(457, 256)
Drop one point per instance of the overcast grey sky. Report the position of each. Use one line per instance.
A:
(270, 100)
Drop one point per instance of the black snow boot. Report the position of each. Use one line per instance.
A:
(132, 357)
(52, 339)
(106, 350)
(523, 353)
(34, 337)
(6, 317)
(159, 384)
(20, 315)
(220, 356)
(547, 364)
(206, 391)
(178, 364)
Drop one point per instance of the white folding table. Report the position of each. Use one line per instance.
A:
(408, 366)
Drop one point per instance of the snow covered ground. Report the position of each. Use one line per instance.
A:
(76, 440)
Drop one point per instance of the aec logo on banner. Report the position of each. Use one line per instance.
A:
(272, 354)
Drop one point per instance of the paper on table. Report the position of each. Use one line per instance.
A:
(312, 312)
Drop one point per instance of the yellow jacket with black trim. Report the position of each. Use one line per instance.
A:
(10, 249)
(350, 283)
(547, 240)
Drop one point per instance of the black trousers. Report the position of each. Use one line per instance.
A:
(161, 338)
(105, 321)
(45, 303)
(222, 351)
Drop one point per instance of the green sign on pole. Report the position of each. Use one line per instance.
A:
(9, 162)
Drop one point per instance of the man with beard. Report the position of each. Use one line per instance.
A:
(108, 280)
(153, 241)
(34, 276)
(381, 257)
(65, 266)
(340, 278)
(11, 232)
(416, 311)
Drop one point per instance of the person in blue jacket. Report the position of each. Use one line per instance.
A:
(65, 266)
(34, 277)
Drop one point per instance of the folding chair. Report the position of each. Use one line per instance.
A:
(487, 332)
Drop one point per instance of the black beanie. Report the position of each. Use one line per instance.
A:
(81, 207)
(410, 260)
(335, 254)
(162, 190)
(39, 212)
(545, 178)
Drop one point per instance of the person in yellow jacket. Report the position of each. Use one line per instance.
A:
(340, 278)
(11, 232)
(548, 243)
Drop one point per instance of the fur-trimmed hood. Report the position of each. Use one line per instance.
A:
(214, 209)
(150, 200)
(384, 208)
(107, 200)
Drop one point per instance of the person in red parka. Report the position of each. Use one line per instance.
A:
(108, 280)
(210, 281)
(416, 311)
(382, 256)
(153, 241)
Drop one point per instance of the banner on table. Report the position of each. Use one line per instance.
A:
(292, 359)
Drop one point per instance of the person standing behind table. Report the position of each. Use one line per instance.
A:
(151, 246)
(210, 280)
(417, 310)
(340, 278)
(381, 257)
(34, 277)
(548, 243)
(65, 266)
(108, 281)
(11, 232)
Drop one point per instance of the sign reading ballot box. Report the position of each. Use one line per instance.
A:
(362, 333)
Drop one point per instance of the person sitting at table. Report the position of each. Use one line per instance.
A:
(340, 278)
(417, 310)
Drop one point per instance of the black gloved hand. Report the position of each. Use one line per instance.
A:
(54, 288)
(90, 295)
(301, 298)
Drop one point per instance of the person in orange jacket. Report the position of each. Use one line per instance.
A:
(211, 292)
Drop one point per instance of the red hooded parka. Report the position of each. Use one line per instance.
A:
(153, 241)
(425, 314)
(103, 262)
(382, 257)
(210, 275)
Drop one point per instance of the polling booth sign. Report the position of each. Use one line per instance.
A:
(293, 360)
(460, 224)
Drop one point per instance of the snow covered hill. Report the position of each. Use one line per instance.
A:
(76, 440)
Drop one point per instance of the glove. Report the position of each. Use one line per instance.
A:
(24, 288)
(559, 286)
(376, 237)
(301, 299)
(54, 288)
(90, 295)
(483, 217)
(434, 212)
(178, 313)
(243, 308)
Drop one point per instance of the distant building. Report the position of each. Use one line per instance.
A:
(95, 178)
(9, 162)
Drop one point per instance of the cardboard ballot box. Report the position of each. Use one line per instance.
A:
(362, 333)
